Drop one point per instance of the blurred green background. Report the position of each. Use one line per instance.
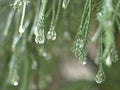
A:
(25, 65)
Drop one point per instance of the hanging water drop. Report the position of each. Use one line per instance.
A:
(80, 44)
(82, 59)
(100, 77)
(51, 34)
(15, 83)
(84, 62)
(40, 39)
(21, 30)
(39, 32)
(108, 61)
(39, 36)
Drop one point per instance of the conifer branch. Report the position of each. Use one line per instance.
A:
(82, 37)
(52, 33)
(39, 32)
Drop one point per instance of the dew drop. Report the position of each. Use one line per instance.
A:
(39, 29)
(100, 77)
(108, 61)
(79, 43)
(40, 39)
(15, 83)
(21, 30)
(51, 35)
(84, 62)
(98, 80)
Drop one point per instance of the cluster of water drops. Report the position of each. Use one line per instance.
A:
(109, 54)
(51, 34)
(39, 28)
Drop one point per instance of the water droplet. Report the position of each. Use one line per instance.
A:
(21, 30)
(100, 77)
(84, 62)
(79, 43)
(39, 30)
(15, 83)
(108, 61)
(51, 34)
(40, 39)
(39, 36)
(82, 59)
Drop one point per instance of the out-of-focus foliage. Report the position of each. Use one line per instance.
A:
(25, 65)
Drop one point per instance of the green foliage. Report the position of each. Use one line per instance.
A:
(36, 20)
(52, 33)
(39, 32)
(82, 37)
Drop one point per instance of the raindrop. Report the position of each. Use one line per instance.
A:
(21, 30)
(51, 34)
(39, 31)
(84, 62)
(79, 43)
(100, 77)
(15, 83)
(40, 39)
(108, 61)
(39, 36)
